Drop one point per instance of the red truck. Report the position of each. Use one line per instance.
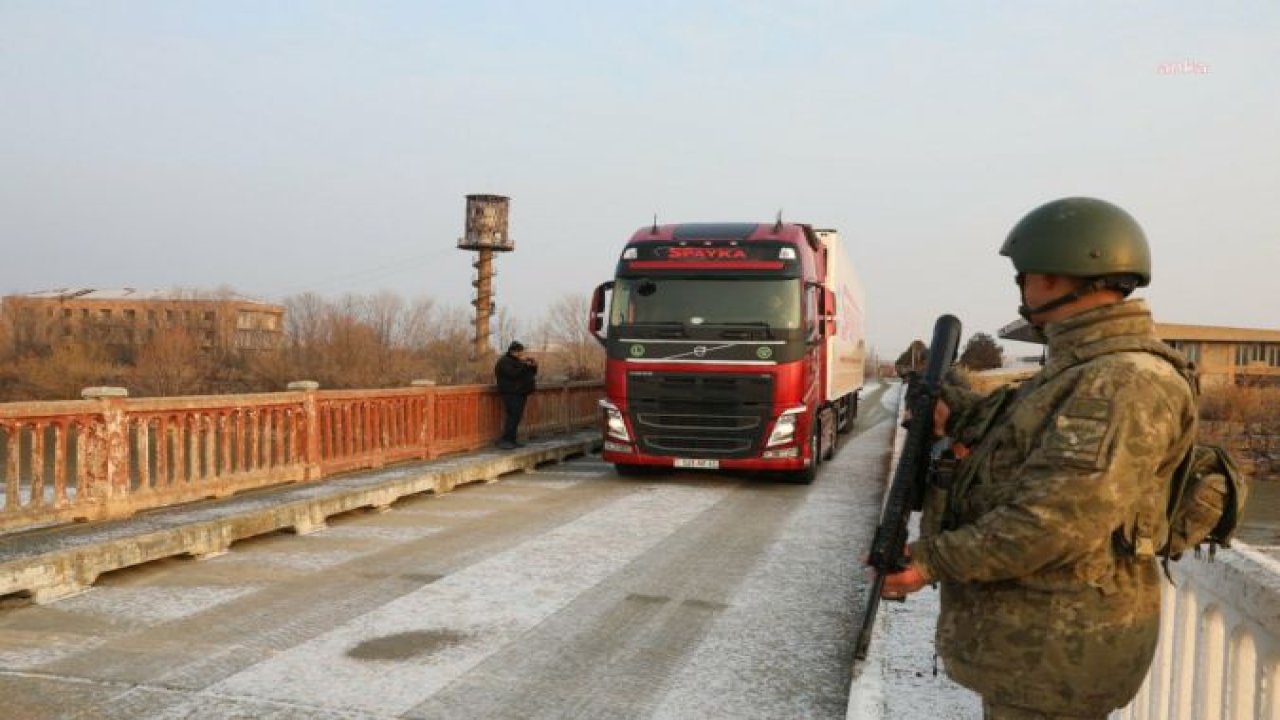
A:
(735, 346)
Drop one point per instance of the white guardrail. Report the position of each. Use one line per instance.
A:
(1219, 652)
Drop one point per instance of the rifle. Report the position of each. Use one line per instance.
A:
(906, 493)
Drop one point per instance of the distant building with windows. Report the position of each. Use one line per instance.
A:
(1227, 355)
(129, 318)
(1224, 355)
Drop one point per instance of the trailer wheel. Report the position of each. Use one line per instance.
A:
(848, 413)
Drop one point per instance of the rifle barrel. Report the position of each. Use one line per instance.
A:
(905, 492)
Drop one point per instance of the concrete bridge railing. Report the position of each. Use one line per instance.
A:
(1219, 652)
(110, 456)
(1218, 656)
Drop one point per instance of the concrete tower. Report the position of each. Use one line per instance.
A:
(486, 233)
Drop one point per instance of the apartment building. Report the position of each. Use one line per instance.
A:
(1227, 355)
(127, 318)
(1224, 355)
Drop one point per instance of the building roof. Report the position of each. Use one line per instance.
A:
(110, 294)
(1214, 333)
(1022, 331)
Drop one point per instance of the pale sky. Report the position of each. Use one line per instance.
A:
(280, 147)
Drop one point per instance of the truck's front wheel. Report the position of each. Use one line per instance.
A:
(828, 433)
(807, 475)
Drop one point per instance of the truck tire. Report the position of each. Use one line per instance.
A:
(807, 475)
(832, 435)
(848, 414)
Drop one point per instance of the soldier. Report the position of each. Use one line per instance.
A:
(1046, 551)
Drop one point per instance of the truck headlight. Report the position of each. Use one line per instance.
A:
(784, 430)
(614, 425)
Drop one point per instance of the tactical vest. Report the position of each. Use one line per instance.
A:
(1206, 496)
(1204, 499)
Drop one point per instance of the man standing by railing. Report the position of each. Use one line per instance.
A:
(515, 375)
(1046, 551)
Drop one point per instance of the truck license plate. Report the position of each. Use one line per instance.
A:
(699, 464)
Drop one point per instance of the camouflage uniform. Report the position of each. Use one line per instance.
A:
(1042, 612)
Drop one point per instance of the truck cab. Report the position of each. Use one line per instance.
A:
(719, 345)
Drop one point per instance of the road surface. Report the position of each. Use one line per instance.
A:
(565, 593)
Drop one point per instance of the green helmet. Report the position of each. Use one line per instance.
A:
(1081, 237)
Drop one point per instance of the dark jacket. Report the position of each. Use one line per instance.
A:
(514, 376)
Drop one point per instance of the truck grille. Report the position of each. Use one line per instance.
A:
(700, 414)
(703, 422)
(670, 445)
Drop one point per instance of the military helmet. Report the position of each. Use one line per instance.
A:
(1080, 237)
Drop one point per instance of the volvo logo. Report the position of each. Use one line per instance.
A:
(637, 351)
(700, 351)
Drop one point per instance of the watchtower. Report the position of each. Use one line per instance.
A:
(486, 233)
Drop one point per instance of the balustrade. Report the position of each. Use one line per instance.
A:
(1219, 651)
(111, 456)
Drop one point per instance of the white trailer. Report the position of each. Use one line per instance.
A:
(847, 348)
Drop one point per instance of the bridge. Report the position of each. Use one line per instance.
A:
(367, 554)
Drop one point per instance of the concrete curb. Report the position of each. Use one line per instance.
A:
(867, 685)
(54, 563)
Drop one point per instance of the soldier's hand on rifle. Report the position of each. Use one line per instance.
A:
(897, 586)
(941, 413)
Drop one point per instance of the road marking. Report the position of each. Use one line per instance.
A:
(784, 608)
(480, 610)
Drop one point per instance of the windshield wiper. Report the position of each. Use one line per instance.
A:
(746, 334)
(665, 328)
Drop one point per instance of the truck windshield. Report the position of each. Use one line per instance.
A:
(768, 303)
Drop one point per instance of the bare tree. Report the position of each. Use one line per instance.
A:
(416, 325)
(373, 340)
(354, 355)
(568, 342)
(7, 350)
(871, 364)
(448, 353)
(383, 313)
(62, 373)
(304, 318)
(172, 363)
(509, 329)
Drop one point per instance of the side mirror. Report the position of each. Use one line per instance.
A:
(595, 318)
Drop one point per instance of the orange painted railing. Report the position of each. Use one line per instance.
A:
(110, 457)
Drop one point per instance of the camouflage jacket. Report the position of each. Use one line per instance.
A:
(1040, 609)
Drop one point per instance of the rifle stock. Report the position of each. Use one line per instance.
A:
(906, 492)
